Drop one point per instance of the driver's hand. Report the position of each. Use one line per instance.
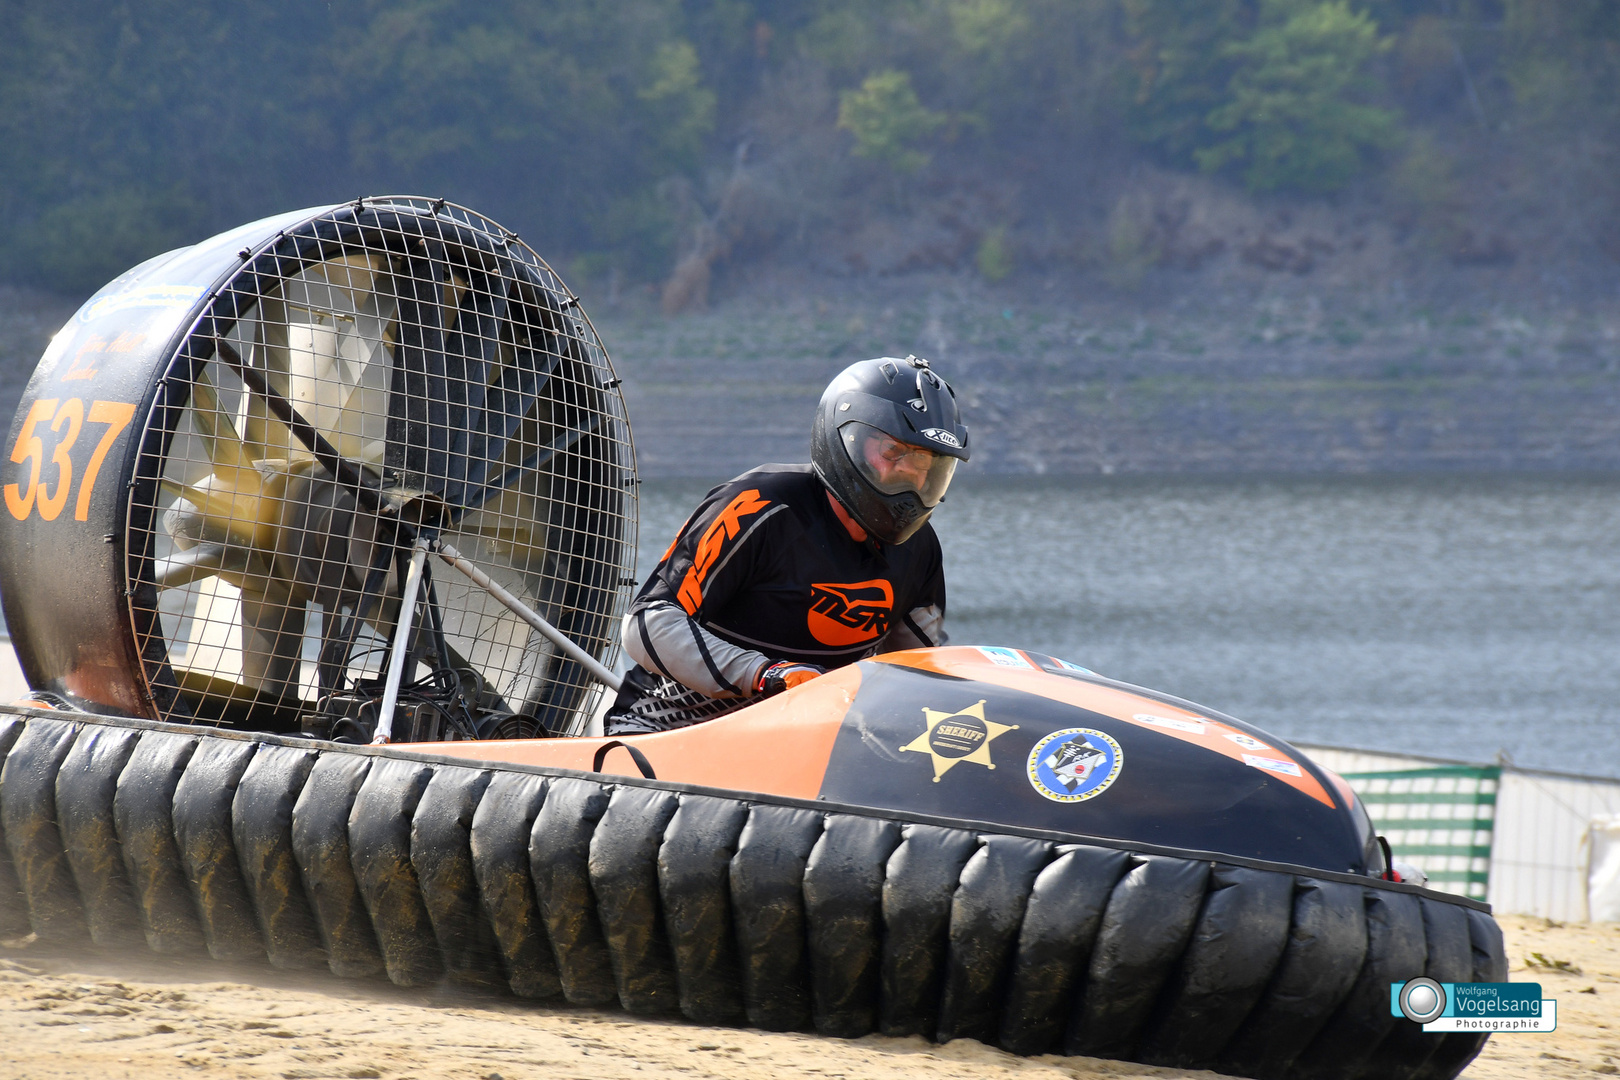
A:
(783, 675)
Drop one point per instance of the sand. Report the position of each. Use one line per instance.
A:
(73, 1014)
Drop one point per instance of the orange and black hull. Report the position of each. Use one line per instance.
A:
(953, 732)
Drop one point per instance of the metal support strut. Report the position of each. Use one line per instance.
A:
(402, 640)
(584, 659)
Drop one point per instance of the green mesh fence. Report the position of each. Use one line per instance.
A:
(1439, 819)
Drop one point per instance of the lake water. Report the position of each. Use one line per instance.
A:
(1453, 616)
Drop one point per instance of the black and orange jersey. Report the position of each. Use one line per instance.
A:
(764, 571)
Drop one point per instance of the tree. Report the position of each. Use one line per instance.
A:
(888, 121)
(1291, 118)
(1177, 70)
(1563, 63)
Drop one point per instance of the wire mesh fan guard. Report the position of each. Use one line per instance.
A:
(444, 359)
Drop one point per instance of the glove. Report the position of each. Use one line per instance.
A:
(784, 675)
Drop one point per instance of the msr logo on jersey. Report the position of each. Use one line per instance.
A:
(842, 615)
(725, 527)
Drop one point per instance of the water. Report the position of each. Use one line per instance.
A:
(1455, 616)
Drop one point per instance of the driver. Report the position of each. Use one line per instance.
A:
(791, 570)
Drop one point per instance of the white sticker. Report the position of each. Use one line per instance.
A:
(148, 296)
(940, 435)
(1193, 727)
(1003, 657)
(1246, 741)
(1066, 666)
(1287, 768)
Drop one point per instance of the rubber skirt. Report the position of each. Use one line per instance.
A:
(722, 907)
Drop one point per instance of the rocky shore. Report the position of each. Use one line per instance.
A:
(1056, 380)
(1057, 383)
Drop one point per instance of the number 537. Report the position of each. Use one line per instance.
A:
(66, 419)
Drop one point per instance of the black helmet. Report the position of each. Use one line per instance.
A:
(885, 442)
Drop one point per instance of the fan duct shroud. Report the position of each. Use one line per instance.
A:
(456, 380)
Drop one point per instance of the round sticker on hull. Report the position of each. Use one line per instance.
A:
(1075, 764)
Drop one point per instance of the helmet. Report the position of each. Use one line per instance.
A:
(886, 440)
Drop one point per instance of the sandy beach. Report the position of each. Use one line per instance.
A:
(67, 1014)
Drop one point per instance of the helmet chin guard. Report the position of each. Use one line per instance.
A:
(908, 402)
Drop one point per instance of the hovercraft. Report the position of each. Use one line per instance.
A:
(364, 471)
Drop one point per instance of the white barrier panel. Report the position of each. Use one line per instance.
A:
(12, 683)
(1603, 880)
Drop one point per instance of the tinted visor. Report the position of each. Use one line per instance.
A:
(894, 467)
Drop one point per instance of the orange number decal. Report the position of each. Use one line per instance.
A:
(29, 448)
(117, 415)
(72, 414)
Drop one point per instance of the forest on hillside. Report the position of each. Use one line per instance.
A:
(666, 141)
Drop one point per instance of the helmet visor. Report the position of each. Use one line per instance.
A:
(894, 467)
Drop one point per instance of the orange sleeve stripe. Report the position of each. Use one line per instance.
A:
(725, 527)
